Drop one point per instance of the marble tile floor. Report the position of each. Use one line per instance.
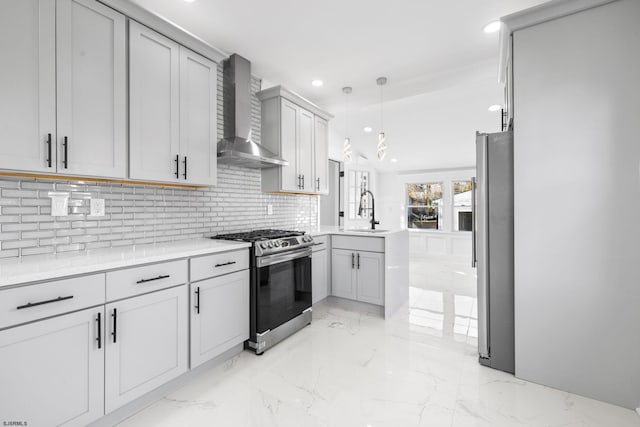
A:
(353, 369)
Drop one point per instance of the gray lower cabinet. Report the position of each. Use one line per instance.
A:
(219, 315)
(146, 344)
(52, 371)
(358, 275)
(320, 269)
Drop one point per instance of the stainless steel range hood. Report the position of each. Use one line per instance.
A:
(237, 147)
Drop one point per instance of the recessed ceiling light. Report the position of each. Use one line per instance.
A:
(495, 107)
(368, 129)
(317, 83)
(492, 27)
(394, 160)
(189, 1)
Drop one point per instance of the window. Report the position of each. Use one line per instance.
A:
(425, 206)
(358, 182)
(462, 217)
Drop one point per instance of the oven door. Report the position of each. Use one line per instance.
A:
(283, 288)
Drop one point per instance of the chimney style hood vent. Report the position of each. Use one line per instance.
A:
(237, 147)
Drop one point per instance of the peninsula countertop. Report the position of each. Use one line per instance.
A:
(354, 231)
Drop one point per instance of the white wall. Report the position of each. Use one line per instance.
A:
(446, 244)
(577, 199)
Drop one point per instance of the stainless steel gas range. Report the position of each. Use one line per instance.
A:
(280, 264)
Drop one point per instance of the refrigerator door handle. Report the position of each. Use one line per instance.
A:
(481, 242)
(473, 222)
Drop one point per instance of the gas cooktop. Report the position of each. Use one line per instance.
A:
(258, 235)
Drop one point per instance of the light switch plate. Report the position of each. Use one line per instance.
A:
(269, 209)
(97, 207)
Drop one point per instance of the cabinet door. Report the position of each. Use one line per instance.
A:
(198, 118)
(305, 149)
(154, 105)
(27, 84)
(319, 276)
(321, 152)
(289, 140)
(146, 345)
(370, 282)
(53, 370)
(343, 273)
(219, 315)
(92, 89)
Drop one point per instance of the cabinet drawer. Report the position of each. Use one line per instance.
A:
(321, 243)
(32, 302)
(217, 264)
(357, 243)
(134, 281)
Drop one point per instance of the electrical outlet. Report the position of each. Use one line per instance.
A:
(59, 204)
(97, 207)
(269, 209)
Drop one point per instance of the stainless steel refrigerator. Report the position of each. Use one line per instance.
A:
(493, 249)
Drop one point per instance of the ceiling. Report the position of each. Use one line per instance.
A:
(429, 50)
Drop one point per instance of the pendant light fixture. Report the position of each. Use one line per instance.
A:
(346, 151)
(382, 146)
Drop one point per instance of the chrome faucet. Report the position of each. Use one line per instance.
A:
(373, 208)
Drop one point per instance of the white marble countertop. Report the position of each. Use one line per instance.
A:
(15, 271)
(364, 232)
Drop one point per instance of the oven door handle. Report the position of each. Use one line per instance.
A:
(282, 257)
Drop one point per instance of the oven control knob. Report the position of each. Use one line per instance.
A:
(277, 243)
(270, 244)
(263, 245)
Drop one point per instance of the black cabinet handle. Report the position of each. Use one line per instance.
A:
(299, 181)
(353, 262)
(48, 150)
(358, 260)
(225, 263)
(185, 167)
(99, 339)
(177, 160)
(317, 184)
(303, 182)
(153, 278)
(65, 160)
(115, 324)
(34, 304)
(198, 300)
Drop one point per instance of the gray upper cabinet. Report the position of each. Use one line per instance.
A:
(297, 130)
(321, 149)
(92, 89)
(27, 84)
(63, 80)
(154, 66)
(173, 111)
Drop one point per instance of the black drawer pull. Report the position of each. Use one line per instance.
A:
(225, 263)
(154, 278)
(185, 167)
(33, 304)
(48, 150)
(65, 144)
(99, 339)
(115, 324)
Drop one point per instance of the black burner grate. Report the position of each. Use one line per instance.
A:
(257, 235)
